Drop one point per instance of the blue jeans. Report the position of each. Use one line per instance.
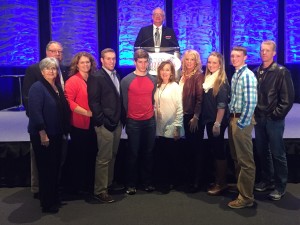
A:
(141, 139)
(271, 151)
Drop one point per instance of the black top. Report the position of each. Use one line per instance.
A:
(211, 104)
(33, 74)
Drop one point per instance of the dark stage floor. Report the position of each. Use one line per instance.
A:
(18, 207)
(176, 208)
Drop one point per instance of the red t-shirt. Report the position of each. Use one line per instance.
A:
(140, 99)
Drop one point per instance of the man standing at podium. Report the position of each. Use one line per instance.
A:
(156, 35)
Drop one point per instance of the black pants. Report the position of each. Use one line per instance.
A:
(48, 161)
(81, 159)
(193, 152)
(167, 165)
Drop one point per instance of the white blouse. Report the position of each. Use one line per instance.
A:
(168, 110)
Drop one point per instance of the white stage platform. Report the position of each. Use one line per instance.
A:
(13, 126)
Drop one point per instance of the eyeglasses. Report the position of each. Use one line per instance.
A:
(50, 69)
(158, 14)
(55, 51)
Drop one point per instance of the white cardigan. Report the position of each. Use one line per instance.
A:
(169, 100)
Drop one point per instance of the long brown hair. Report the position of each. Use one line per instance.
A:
(75, 60)
(222, 77)
(160, 67)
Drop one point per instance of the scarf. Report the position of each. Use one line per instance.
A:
(209, 81)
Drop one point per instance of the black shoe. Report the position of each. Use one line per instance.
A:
(116, 187)
(131, 191)
(192, 189)
(53, 209)
(36, 195)
(105, 198)
(165, 189)
(149, 188)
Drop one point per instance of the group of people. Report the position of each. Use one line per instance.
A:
(94, 105)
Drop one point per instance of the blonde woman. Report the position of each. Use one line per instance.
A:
(215, 116)
(192, 93)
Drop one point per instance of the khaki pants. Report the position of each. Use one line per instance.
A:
(108, 144)
(241, 148)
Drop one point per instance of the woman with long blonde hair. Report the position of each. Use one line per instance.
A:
(215, 116)
(192, 93)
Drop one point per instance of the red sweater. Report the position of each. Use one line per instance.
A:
(76, 94)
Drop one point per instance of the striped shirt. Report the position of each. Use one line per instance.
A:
(243, 95)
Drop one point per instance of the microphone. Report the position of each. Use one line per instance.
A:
(143, 42)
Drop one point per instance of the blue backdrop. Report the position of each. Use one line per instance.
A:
(204, 25)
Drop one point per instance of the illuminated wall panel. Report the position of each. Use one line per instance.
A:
(133, 14)
(253, 22)
(74, 24)
(292, 31)
(19, 35)
(196, 24)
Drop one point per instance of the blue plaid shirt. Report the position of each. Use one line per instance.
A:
(243, 95)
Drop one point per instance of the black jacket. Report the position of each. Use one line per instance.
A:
(33, 74)
(104, 100)
(145, 37)
(275, 92)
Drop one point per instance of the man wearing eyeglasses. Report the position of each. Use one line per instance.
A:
(33, 74)
(156, 35)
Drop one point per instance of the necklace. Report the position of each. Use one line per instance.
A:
(160, 93)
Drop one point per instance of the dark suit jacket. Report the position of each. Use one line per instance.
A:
(145, 37)
(104, 100)
(33, 74)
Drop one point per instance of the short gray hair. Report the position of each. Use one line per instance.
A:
(159, 9)
(48, 62)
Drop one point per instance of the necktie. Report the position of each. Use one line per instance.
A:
(59, 79)
(157, 38)
(115, 81)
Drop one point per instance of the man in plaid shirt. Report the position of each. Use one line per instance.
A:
(242, 105)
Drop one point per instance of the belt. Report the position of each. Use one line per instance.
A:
(235, 115)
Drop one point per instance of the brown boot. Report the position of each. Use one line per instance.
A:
(220, 185)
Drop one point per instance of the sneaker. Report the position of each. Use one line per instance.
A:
(276, 195)
(263, 186)
(131, 190)
(104, 197)
(239, 204)
(149, 188)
